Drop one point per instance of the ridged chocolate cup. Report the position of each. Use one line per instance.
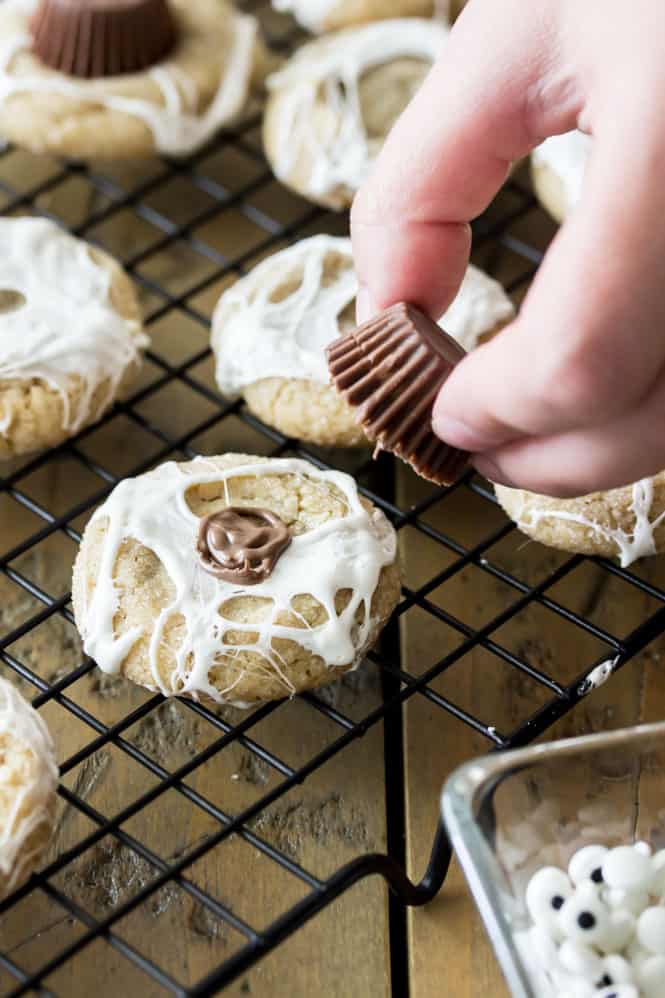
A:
(390, 371)
(95, 38)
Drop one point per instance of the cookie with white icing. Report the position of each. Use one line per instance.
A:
(626, 523)
(558, 166)
(271, 328)
(319, 16)
(172, 108)
(28, 781)
(331, 107)
(71, 337)
(234, 579)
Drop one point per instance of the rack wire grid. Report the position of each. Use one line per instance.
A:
(171, 223)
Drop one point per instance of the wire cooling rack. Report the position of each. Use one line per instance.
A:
(184, 210)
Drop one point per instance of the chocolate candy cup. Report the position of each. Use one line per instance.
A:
(390, 370)
(91, 38)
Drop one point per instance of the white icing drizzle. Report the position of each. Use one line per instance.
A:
(28, 778)
(255, 337)
(480, 305)
(313, 14)
(67, 328)
(343, 553)
(332, 67)
(567, 155)
(176, 127)
(630, 546)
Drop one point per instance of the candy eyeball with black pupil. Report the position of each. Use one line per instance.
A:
(627, 868)
(586, 864)
(618, 970)
(584, 916)
(546, 895)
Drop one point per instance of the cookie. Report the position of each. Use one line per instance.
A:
(70, 334)
(28, 781)
(271, 329)
(331, 107)
(234, 579)
(172, 108)
(331, 15)
(626, 523)
(557, 169)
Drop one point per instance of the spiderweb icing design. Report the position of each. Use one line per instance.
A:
(342, 553)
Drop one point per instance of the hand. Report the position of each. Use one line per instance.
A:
(570, 397)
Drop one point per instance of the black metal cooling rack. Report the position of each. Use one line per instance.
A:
(499, 233)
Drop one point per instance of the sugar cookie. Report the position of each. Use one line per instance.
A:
(271, 329)
(627, 523)
(557, 168)
(331, 107)
(70, 334)
(28, 780)
(235, 579)
(172, 108)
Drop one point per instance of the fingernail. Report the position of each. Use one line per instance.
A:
(365, 305)
(490, 470)
(456, 433)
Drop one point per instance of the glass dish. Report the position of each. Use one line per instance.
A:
(509, 814)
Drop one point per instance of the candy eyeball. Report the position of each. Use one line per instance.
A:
(584, 918)
(543, 947)
(627, 868)
(586, 864)
(580, 988)
(546, 895)
(651, 976)
(623, 991)
(619, 932)
(651, 930)
(579, 959)
(615, 970)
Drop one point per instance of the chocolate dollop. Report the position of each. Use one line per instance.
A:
(242, 543)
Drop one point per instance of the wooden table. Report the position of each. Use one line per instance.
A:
(340, 811)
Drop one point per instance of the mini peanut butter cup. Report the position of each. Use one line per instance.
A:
(93, 38)
(390, 370)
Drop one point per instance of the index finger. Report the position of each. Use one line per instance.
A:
(482, 106)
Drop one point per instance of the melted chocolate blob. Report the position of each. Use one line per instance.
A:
(242, 544)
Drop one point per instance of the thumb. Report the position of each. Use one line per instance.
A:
(587, 345)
